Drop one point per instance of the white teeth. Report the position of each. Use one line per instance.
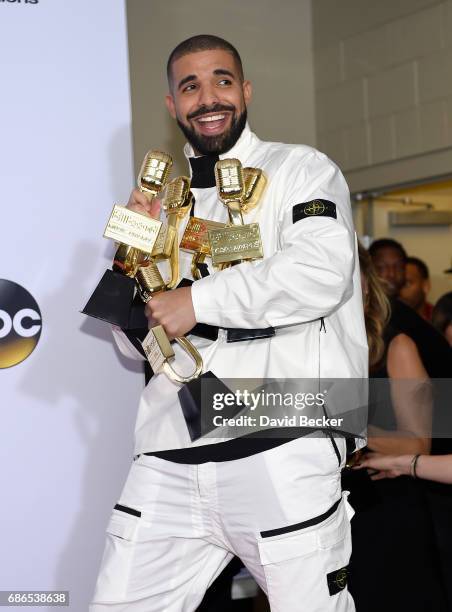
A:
(213, 118)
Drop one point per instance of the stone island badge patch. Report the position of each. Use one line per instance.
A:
(337, 581)
(314, 208)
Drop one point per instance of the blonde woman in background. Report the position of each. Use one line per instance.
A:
(436, 469)
(391, 531)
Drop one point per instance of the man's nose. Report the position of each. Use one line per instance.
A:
(208, 96)
(390, 273)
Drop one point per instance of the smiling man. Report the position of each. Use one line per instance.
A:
(276, 502)
(208, 104)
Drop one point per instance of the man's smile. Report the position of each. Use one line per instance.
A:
(212, 124)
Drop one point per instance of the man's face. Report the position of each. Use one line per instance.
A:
(208, 99)
(390, 267)
(414, 291)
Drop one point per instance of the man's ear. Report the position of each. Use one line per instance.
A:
(169, 101)
(247, 91)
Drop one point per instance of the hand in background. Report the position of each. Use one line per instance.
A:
(388, 466)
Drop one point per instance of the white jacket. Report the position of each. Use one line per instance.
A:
(310, 270)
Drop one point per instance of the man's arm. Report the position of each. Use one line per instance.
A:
(308, 278)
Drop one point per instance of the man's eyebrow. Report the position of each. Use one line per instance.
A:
(220, 71)
(187, 79)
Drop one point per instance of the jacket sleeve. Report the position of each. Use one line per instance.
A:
(310, 275)
(128, 344)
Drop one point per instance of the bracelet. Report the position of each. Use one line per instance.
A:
(413, 466)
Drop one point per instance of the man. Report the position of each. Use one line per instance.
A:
(389, 258)
(417, 285)
(188, 507)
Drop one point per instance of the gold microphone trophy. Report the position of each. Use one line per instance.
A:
(156, 345)
(196, 240)
(240, 191)
(196, 235)
(236, 242)
(137, 235)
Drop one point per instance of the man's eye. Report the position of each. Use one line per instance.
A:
(224, 82)
(189, 87)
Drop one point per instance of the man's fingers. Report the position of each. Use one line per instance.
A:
(154, 208)
(137, 198)
(148, 312)
(139, 202)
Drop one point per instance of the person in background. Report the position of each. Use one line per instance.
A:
(417, 285)
(389, 258)
(442, 316)
(392, 522)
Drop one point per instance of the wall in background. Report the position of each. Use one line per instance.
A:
(68, 410)
(433, 244)
(275, 50)
(384, 88)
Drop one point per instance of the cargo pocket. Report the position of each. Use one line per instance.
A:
(122, 531)
(300, 559)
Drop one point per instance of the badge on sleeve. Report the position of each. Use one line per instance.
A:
(314, 208)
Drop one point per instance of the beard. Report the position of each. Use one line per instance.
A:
(214, 145)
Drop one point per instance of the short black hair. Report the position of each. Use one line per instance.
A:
(420, 265)
(202, 42)
(387, 243)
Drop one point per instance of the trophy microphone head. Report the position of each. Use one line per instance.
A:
(255, 183)
(177, 195)
(154, 172)
(149, 281)
(229, 180)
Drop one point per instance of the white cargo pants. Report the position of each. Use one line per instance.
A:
(281, 511)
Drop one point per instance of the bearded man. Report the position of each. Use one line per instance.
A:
(189, 506)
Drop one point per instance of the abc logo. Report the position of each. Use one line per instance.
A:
(20, 323)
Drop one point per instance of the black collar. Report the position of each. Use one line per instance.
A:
(202, 168)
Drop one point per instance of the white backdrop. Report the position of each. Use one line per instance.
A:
(68, 411)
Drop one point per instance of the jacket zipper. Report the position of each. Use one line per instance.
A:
(328, 433)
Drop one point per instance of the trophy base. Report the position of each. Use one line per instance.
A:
(112, 299)
(197, 405)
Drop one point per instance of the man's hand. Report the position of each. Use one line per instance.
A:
(139, 202)
(173, 310)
